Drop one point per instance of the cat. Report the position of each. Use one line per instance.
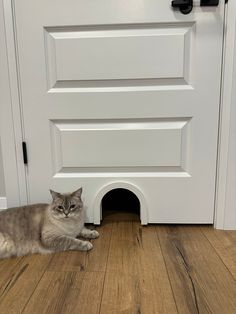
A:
(45, 228)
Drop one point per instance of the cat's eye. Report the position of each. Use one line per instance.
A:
(72, 206)
(60, 207)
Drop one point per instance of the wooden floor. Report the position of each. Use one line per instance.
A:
(132, 269)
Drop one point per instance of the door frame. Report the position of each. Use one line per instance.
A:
(12, 124)
(225, 208)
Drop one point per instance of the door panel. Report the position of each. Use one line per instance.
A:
(144, 48)
(122, 91)
(98, 144)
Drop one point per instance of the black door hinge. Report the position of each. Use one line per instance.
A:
(25, 156)
(226, 1)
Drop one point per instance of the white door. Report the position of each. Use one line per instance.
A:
(122, 93)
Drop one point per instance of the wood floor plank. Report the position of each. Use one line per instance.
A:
(97, 258)
(7, 267)
(224, 242)
(94, 260)
(200, 281)
(132, 269)
(21, 282)
(121, 294)
(136, 279)
(122, 247)
(67, 292)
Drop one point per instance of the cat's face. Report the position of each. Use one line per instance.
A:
(66, 206)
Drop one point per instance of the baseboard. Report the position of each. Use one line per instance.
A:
(3, 203)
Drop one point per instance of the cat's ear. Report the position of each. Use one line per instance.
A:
(77, 193)
(55, 195)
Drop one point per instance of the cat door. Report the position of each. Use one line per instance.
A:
(120, 204)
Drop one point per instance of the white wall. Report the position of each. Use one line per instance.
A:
(230, 204)
(2, 183)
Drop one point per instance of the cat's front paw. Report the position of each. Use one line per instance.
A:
(87, 246)
(94, 234)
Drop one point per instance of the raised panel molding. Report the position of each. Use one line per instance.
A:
(81, 146)
(157, 54)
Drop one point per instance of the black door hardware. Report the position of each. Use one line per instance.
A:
(24, 149)
(209, 3)
(185, 6)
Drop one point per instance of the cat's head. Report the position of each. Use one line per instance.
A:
(66, 205)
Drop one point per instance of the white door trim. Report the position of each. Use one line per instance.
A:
(228, 77)
(11, 122)
(3, 203)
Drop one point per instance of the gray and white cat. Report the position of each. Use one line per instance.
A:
(45, 228)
